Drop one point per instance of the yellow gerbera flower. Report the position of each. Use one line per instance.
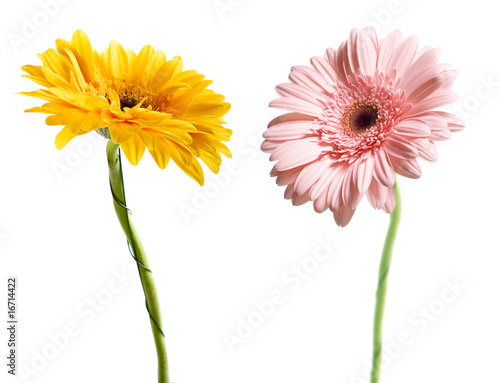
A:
(137, 100)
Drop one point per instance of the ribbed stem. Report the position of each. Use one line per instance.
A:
(137, 250)
(385, 264)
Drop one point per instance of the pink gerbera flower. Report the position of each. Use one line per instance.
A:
(359, 115)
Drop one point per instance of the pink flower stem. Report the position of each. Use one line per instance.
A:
(139, 255)
(385, 264)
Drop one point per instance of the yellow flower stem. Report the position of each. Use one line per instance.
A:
(137, 250)
(385, 264)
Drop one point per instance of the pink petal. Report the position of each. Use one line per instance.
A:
(426, 89)
(449, 77)
(438, 125)
(377, 194)
(297, 105)
(430, 154)
(289, 130)
(383, 170)
(438, 98)
(350, 194)
(413, 127)
(363, 173)
(352, 49)
(421, 52)
(399, 147)
(424, 64)
(287, 117)
(330, 56)
(321, 203)
(321, 187)
(311, 174)
(413, 83)
(367, 51)
(286, 177)
(407, 168)
(390, 202)
(421, 144)
(342, 61)
(335, 188)
(440, 134)
(455, 124)
(289, 191)
(343, 216)
(305, 76)
(274, 172)
(323, 67)
(403, 55)
(433, 120)
(300, 92)
(297, 152)
(268, 146)
(299, 199)
(387, 47)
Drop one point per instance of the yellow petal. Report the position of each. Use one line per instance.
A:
(76, 70)
(62, 45)
(190, 77)
(91, 121)
(187, 162)
(224, 149)
(65, 95)
(41, 94)
(73, 117)
(133, 149)
(118, 134)
(186, 97)
(166, 72)
(37, 109)
(131, 56)
(84, 54)
(117, 60)
(148, 138)
(36, 74)
(208, 109)
(209, 97)
(55, 107)
(64, 136)
(56, 63)
(56, 80)
(139, 63)
(211, 161)
(54, 120)
(154, 63)
(161, 153)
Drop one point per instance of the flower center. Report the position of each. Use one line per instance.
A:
(130, 94)
(363, 119)
(360, 117)
(128, 100)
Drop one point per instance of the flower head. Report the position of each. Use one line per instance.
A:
(138, 100)
(359, 115)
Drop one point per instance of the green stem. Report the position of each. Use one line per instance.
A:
(385, 264)
(137, 250)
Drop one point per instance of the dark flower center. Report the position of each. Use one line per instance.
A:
(363, 118)
(128, 102)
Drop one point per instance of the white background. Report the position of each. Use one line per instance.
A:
(60, 237)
